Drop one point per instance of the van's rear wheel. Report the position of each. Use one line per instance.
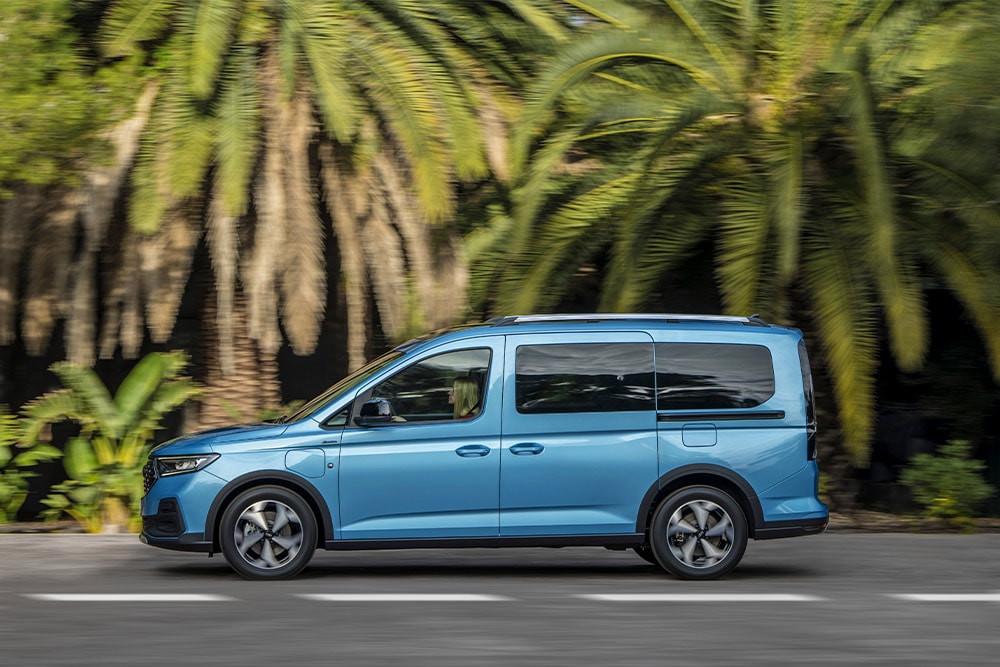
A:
(698, 532)
(268, 532)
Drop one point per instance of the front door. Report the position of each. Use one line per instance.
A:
(432, 472)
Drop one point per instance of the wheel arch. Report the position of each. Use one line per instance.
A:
(312, 497)
(714, 476)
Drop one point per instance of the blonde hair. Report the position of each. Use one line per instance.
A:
(466, 396)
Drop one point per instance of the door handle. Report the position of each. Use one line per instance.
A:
(473, 450)
(526, 449)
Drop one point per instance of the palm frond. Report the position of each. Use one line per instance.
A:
(409, 108)
(166, 266)
(785, 165)
(562, 244)
(846, 324)
(303, 280)
(690, 13)
(131, 22)
(894, 274)
(343, 199)
(185, 134)
(745, 243)
(661, 44)
(238, 135)
(324, 40)
(214, 24)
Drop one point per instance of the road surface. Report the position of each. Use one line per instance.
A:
(834, 599)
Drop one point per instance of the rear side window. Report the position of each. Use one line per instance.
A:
(712, 376)
(584, 377)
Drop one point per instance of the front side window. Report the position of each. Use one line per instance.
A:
(584, 377)
(712, 376)
(445, 387)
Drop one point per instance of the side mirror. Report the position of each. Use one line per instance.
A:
(376, 412)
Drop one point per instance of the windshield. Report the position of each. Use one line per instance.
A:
(339, 389)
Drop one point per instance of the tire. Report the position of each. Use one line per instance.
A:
(268, 532)
(645, 552)
(698, 532)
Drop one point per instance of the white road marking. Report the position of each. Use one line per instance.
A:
(402, 597)
(700, 597)
(947, 597)
(128, 597)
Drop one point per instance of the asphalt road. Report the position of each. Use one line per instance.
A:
(834, 599)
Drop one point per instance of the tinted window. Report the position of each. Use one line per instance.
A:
(709, 376)
(425, 391)
(586, 377)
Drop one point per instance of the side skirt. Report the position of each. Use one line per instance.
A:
(626, 540)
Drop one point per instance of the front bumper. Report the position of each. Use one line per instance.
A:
(187, 542)
(175, 511)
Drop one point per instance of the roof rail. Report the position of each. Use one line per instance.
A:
(753, 320)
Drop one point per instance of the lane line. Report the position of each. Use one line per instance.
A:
(947, 597)
(128, 597)
(700, 597)
(402, 597)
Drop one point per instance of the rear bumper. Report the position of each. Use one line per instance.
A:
(771, 530)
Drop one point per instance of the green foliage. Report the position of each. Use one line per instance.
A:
(104, 462)
(949, 486)
(13, 486)
(819, 150)
(419, 71)
(53, 103)
(13, 476)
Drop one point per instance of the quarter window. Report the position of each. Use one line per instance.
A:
(584, 377)
(712, 376)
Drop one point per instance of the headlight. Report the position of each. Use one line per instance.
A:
(175, 465)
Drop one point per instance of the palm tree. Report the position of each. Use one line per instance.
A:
(263, 122)
(759, 128)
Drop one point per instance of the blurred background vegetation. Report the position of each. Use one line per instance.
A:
(283, 188)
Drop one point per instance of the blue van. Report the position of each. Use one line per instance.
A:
(678, 436)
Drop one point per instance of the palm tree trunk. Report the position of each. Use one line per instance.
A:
(251, 387)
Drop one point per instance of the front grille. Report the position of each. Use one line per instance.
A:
(148, 477)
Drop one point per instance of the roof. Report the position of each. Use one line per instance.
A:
(580, 322)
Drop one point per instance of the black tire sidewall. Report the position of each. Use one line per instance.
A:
(658, 532)
(227, 528)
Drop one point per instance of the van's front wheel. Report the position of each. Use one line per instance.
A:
(698, 532)
(268, 533)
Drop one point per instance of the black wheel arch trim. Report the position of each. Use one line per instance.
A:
(297, 484)
(697, 473)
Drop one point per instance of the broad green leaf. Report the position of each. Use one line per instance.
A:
(80, 459)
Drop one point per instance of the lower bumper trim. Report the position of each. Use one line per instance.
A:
(190, 542)
(772, 530)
